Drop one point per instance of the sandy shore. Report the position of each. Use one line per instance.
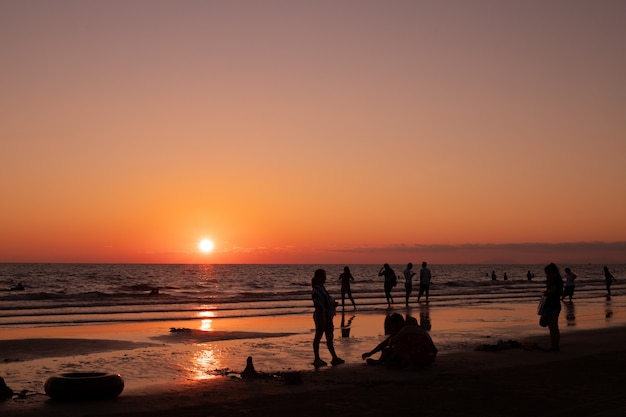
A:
(583, 379)
(194, 373)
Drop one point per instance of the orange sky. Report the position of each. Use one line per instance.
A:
(313, 132)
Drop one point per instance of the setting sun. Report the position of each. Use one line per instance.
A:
(206, 245)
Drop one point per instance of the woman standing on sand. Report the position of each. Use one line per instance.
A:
(552, 306)
(323, 317)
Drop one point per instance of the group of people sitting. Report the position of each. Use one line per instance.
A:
(408, 345)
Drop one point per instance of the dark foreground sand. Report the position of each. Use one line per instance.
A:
(585, 379)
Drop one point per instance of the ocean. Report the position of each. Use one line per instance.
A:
(81, 294)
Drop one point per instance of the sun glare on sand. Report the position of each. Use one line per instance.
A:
(206, 245)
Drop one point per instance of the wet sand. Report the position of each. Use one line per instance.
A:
(196, 373)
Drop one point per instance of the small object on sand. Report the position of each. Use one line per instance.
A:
(500, 346)
(249, 372)
(179, 329)
(83, 386)
(5, 392)
(293, 378)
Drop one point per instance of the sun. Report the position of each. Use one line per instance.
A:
(206, 246)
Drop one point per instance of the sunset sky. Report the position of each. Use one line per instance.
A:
(313, 131)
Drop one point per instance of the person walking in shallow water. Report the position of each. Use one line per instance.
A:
(608, 280)
(425, 278)
(345, 277)
(389, 283)
(323, 315)
(408, 281)
(568, 290)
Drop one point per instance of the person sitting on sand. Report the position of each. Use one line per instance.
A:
(407, 347)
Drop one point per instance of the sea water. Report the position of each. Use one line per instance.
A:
(81, 294)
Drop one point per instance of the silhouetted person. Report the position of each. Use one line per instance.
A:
(608, 280)
(345, 277)
(408, 346)
(345, 327)
(552, 306)
(389, 283)
(493, 276)
(408, 281)
(425, 278)
(506, 277)
(529, 276)
(323, 317)
(568, 290)
(393, 324)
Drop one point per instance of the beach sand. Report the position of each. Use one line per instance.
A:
(584, 379)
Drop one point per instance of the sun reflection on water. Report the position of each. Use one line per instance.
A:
(202, 362)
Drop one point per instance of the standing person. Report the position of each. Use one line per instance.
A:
(425, 278)
(323, 317)
(493, 276)
(345, 277)
(569, 284)
(529, 276)
(390, 282)
(408, 281)
(608, 280)
(552, 305)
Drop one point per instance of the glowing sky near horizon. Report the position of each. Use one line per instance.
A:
(310, 132)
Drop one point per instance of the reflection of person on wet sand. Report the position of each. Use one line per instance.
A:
(608, 310)
(345, 326)
(425, 317)
(569, 314)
